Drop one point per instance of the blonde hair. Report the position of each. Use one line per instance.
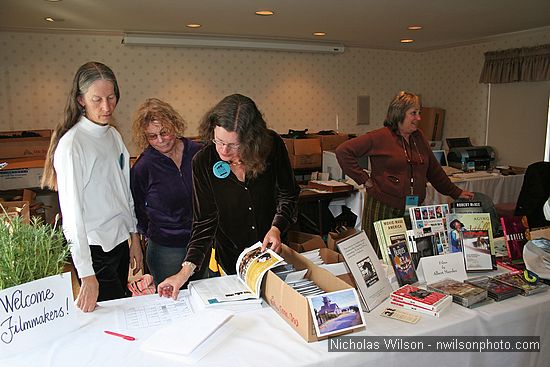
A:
(153, 109)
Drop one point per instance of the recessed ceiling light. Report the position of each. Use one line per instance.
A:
(414, 27)
(193, 25)
(49, 19)
(265, 13)
(53, 1)
(406, 41)
(319, 34)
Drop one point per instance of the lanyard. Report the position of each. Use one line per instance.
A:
(409, 160)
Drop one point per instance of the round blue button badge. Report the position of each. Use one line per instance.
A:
(221, 169)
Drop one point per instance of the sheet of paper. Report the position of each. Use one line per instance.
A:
(436, 268)
(159, 312)
(224, 289)
(198, 328)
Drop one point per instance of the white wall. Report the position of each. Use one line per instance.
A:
(294, 90)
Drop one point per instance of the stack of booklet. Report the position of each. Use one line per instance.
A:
(464, 294)
(495, 289)
(421, 300)
(240, 292)
(295, 279)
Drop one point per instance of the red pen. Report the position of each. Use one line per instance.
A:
(126, 337)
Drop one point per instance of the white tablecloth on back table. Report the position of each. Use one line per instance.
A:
(501, 189)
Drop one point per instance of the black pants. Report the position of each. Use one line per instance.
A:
(111, 270)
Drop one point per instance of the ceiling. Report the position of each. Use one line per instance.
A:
(354, 23)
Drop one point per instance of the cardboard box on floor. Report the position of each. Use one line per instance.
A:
(304, 153)
(16, 209)
(291, 305)
(302, 242)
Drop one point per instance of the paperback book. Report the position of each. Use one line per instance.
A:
(516, 235)
(251, 266)
(517, 279)
(495, 289)
(412, 307)
(431, 220)
(402, 263)
(389, 232)
(460, 207)
(472, 235)
(425, 299)
(464, 294)
(366, 269)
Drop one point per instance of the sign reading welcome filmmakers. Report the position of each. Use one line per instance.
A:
(36, 312)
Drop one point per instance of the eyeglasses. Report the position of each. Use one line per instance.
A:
(163, 134)
(230, 146)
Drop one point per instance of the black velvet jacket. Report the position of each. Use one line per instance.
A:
(235, 214)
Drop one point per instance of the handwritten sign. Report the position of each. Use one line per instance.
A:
(35, 312)
(436, 268)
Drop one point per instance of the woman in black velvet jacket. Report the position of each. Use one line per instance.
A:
(244, 189)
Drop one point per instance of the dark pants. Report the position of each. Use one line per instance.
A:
(111, 270)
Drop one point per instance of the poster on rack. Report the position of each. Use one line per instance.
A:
(36, 312)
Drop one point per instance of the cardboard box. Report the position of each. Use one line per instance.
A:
(302, 242)
(335, 237)
(16, 209)
(12, 179)
(432, 122)
(330, 142)
(304, 153)
(26, 162)
(13, 144)
(332, 257)
(291, 305)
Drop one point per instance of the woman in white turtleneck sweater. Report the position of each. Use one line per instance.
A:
(89, 166)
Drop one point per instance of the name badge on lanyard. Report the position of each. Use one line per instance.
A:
(410, 201)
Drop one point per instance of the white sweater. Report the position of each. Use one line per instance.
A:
(93, 179)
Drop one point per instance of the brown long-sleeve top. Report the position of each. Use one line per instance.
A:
(238, 214)
(390, 168)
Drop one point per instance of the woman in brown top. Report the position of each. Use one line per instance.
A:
(401, 164)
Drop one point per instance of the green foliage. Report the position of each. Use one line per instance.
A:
(29, 251)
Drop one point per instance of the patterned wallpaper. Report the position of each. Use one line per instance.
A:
(293, 90)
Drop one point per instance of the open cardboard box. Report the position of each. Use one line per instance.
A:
(302, 242)
(16, 209)
(335, 237)
(291, 305)
(304, 153)
(332, 257)
(330, 142)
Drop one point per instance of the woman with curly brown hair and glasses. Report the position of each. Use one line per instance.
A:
(244, 189)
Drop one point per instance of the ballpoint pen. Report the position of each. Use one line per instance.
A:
(126, 337)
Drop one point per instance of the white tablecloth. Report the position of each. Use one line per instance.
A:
(261, 337)
(502, 189)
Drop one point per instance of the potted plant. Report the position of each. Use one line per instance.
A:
(29, 251)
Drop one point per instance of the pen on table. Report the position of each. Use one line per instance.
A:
(126, 337)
